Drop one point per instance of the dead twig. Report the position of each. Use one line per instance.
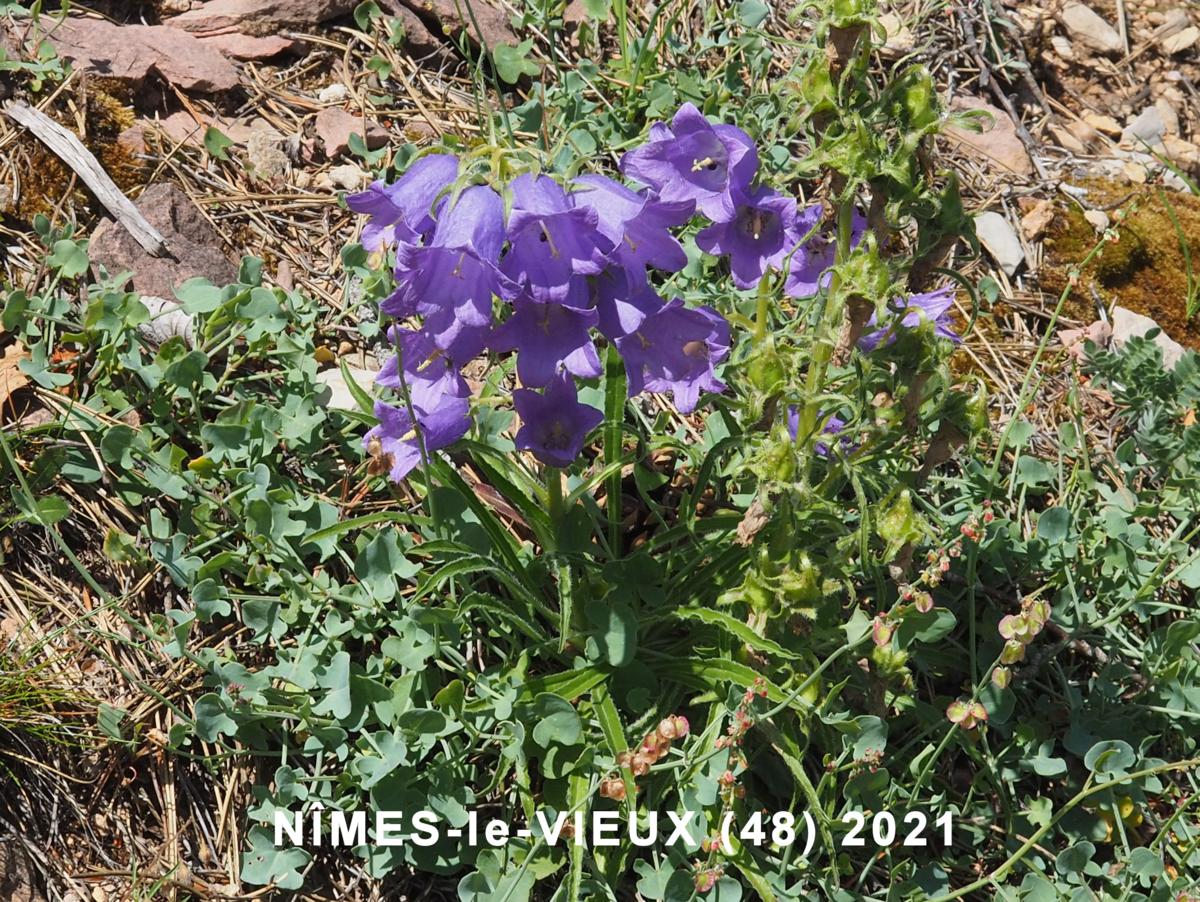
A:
(71, 151)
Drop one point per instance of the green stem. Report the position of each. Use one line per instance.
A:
(823, 347)
(1004, 869)
(562, 569)
(554, 497)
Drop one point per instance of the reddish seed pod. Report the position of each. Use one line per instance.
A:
(613, 788)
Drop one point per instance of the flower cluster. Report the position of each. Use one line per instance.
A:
(639, 761)
(1018, 631)
(568, 260)
(706, 874)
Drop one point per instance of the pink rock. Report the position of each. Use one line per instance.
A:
(259, 17)
(335, 125)
(133, 140)
(458, 17)
(131, 53)
(193, 241)
(248, 47)
(998, 143)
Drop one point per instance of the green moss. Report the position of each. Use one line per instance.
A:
(1145, 270)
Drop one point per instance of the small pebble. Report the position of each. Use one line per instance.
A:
(334, 93)
(1098, 219)
(347, 176)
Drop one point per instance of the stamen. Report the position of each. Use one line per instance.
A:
(549, 240)
(706, 163)
(458, 266)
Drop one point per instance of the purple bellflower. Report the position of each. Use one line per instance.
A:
(451, 281)
(703, 357)
(554, 425)
(810, 267)
(695, 160)
(675, 349)
(759, 235)
(620, 302)
(548, 337)
(933, 307)
(440, 403)
(637, 225)
(551, 240)
(401, 212)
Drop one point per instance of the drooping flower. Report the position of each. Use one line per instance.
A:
(547, 337)
(932, 307)
(759, 235)
(439, 397)
(636, 224)
(554, 425)
(401, 211)
(621, 303)
(703, 356)
(676, 349)
(551, 240)
(809, 270)
(452, 280)
(695, 160)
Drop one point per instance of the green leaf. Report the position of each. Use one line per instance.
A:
(69, 258)
(1054, 525)
(598, 9)
(1146, 863)
(215, 142)
(365, 13)
(558, 722)
(109, 719)
(335, 677)
(739, 629)
(1112, 756)
(616, 630)
(513, 62)
(872, 736)
(212, 718)
(753, 12)
(266, 863)
(1033, 473)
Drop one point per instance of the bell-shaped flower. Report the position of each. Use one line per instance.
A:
(548, 337)
(695, 160)
(636, 224)
(811, 265)
(438, 395)
(676, 349)
(931, 307)
(554, 425)
(402, 211)
(452, 279)
(703, 357)
(550, 239)
(760, 235)
(620, 302)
